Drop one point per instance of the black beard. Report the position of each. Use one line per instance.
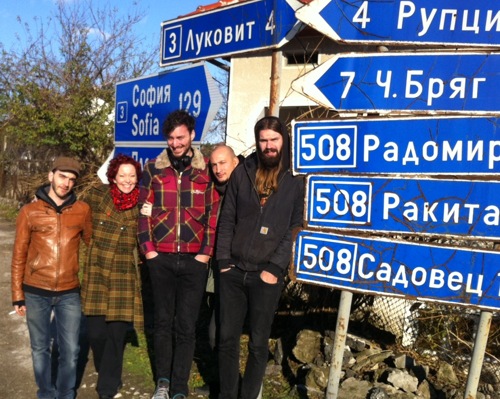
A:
(268, 162)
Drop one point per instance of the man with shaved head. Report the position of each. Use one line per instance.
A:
(223, 160)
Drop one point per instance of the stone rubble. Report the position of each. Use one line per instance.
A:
(372, 372)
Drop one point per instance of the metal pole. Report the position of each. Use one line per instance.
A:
(339, 345)
(476, 362)
(274, 97)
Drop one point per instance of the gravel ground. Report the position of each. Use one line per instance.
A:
(16, 373)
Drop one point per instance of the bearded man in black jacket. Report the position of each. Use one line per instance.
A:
(262, 206)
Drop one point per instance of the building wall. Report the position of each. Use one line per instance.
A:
(250, 86)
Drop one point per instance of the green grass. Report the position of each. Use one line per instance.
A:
(8, 211)
(136, 361)
(138, 368)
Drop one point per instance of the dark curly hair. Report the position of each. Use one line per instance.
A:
(176, 119)
(120, 160)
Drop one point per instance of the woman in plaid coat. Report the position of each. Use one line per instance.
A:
(111, 288)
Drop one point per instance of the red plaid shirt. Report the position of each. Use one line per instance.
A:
(185, 207)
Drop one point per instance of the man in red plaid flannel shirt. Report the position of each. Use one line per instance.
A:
(177, 241)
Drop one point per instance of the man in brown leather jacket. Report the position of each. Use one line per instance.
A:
(45, 284)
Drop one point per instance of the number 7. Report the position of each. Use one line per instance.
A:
(350, 76)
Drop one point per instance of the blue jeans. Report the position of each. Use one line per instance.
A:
(244, 294)
(67, 315)
(178, 282)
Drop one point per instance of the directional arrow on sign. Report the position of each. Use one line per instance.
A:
(142, 104)
(433, 82)
(453, 22)
(251, 25)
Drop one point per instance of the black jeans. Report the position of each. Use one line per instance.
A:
(244, 294)
(107, 340)
(178, 282)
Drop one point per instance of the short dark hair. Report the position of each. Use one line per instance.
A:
(176, 119)
(120, 160)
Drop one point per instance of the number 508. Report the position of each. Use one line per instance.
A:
(327, 259)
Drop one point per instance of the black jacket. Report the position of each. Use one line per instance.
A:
(255, 237)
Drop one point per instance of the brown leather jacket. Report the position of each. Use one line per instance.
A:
(45, 252)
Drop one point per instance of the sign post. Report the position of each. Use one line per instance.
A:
(419, 271)
(456, 146)
(343, 157)
(451, 22)
(431, 83)
(478, 352)
(142, 105)
(341, 329)
(414, 206)
(417, 82)
(242, 27)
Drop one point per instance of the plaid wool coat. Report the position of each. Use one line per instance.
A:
(111, 283)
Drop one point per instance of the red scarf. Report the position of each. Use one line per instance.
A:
(124, 201)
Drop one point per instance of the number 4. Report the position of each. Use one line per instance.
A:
(270, 23)
(361, 16)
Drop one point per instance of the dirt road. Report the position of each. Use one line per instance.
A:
(16, 376)
(16, 373)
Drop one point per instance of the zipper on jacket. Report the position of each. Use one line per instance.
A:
(58, 263)
(179, 176)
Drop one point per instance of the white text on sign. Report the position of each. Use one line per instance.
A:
(467, 20)
(430, 88)
(147, 124)
(397, 268)
(418, 146)
(425, 206)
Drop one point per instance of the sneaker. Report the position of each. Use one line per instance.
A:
(161, 391)
(179, 396)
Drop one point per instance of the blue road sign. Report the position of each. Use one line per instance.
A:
(409, 146)
(417, 82)
(141, 154)
(452, 22)
(395, 268)
(423, 206)
(242, 27)
(142, 104)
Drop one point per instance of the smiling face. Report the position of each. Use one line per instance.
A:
(179, 140)
(126, 178)
(223, 161)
